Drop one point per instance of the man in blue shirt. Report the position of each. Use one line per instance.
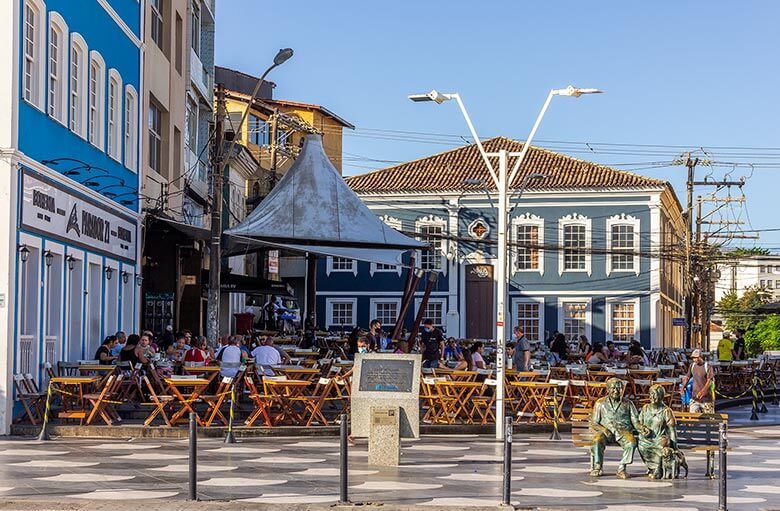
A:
(121, 338)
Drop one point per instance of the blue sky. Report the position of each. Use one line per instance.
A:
(700, 75)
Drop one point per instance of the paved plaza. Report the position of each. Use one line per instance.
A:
(440, 471)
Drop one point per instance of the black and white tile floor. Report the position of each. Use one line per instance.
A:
(442, 471)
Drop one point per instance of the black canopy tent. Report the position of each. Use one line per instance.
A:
(313, 211)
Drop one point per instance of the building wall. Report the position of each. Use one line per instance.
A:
(69, 214)
(749, 272)
(547, 285)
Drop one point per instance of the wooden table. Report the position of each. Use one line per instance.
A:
(298, 373)
(211, 372)
(455, 398)
(199, 385)
(284, 393)
(73, 399)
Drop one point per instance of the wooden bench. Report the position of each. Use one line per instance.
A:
(695, 431)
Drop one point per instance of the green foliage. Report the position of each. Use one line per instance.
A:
(764, 336)
(739, 311)
(753, 251)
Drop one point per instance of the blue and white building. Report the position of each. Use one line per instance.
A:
(593, 250)
(69, 160)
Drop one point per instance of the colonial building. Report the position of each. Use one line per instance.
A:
(593, 250)
(70, 98)
(740, 273)
(178, 102)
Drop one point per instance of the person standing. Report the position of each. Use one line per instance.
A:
(701, 396)
(374, 337)
(725, 349)
(432, 344)
(739, 344)
(521, 358)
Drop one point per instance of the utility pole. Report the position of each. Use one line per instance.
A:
(274, 148)
(690, 289)
(215, 248)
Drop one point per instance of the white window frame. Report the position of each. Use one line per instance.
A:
(588, 313)
(157, 23)
(329, 302)
(376, 301)
(130, 128)
(528, 299)
(195, 22)
(36, 56)
(575, 219)
(330, 269)
(432, 299)
(156, 133)
(533, 220)
(77, 113)
(610, 302)
(435, 221)
(615, 221)
(98, 138)
(115, 124)
(397, 224)
(58, 110)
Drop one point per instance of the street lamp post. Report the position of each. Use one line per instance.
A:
(218, 174)
(502, 180)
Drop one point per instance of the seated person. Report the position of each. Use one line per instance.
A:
(103, 353)
(198, 354)
(229, 358)
(453, 353)
(612, 352)
(598, 355)
(477, 349)
(265, 357)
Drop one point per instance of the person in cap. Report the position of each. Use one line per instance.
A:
(703, 376)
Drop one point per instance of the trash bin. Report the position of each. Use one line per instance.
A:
(244, 322)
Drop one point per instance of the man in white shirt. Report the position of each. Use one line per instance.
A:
(229, 358)
(266, 356)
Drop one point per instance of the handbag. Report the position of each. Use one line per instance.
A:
(687, 393)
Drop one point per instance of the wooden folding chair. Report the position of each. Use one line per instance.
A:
(430, 398)
(68, 368)
(49, 371)
(260, 401)
(482, 403)
(131, 382)
(157, 402)
(31, 401)
(101, 403)
(214, 401)
(313, 402)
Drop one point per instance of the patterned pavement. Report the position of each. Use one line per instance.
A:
(440, 471)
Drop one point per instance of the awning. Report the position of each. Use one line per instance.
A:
(240, 245)
(233, 283)
(191, 231)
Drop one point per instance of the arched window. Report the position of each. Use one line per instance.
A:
(78, 85)
(33, 40)
(96, 99)
(131, 128)
(57, 88)
(114, 115)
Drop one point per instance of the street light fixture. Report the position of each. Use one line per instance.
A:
(71, 262)
(138, 280)
(502, 180)
(49, 258)
(109, 272)
(125, 277)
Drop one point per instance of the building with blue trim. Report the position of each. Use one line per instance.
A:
(69, 158)
(593, 251)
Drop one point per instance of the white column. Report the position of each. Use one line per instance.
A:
(8, 268)
(501, 292)
(452, 320)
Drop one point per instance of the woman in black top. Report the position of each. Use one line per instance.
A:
(353, 341)
(559, 346)
(103, 353)
(132, 352)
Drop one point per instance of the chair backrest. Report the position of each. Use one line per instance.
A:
(32, 385)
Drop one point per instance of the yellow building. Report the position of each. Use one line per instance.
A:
(274, 129)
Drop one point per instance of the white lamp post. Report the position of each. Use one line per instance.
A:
(503, 182)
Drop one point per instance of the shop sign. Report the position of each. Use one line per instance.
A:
(53, 211)
(273, 261)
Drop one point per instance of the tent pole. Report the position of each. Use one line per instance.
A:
(311, 289)
(416, 274)
(432, 278)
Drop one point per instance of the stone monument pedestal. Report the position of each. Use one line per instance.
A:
(384, 440)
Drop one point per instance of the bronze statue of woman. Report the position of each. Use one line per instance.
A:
(659, 421)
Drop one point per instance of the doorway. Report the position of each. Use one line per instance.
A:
(479, 301)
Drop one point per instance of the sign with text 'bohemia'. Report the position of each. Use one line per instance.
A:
(386, 375)
(53, 211)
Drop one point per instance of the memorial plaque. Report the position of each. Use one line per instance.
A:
(386, 376)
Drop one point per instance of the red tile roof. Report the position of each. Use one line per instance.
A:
(447, 171)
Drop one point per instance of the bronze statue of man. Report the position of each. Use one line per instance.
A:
(614, 420)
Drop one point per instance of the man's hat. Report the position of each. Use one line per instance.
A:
(696, 353)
